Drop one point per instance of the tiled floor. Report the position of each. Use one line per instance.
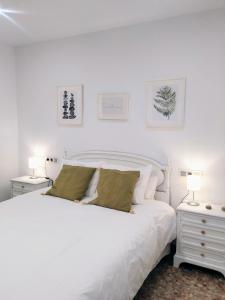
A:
(187, 282)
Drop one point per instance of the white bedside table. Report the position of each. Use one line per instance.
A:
(201, 236)
(25, 184)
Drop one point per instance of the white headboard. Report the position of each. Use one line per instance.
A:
(131, 160)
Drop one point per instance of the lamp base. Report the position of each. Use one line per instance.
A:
(193, 203)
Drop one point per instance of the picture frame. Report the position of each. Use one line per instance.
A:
(70, 105)
(113, 106)
(165, 103)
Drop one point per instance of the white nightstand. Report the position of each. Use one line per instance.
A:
(25, 184)
(201, 236)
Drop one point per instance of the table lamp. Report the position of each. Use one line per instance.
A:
(193, 185)
(33, 164)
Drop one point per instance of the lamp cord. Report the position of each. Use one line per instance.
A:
(51, 181)
(46, 175)
(188, 193)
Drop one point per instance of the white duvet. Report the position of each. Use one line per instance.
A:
(54, 249)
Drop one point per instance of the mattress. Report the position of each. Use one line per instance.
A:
(55, 249)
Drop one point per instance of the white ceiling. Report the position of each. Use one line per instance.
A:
(41, 20)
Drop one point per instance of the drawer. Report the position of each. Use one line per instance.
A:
(203, 255)
(21, 190)
(203, 220)
(22, 186)
(16, 193)
(202, 231)
(203, 244)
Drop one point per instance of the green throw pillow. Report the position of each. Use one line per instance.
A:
(115, 189)
(72, 182)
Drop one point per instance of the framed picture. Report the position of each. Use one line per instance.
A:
(165, 103)
(113, 106)
(70, 105)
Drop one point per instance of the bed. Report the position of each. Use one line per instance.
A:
(54, 249)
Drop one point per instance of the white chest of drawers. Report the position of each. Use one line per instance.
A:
(24, 184)
(201, 236)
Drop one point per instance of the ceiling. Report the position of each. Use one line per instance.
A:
(42, 20)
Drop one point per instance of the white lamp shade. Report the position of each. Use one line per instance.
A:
(194, 182)
(33, 162)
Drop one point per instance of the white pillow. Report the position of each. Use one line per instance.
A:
(94, 181)
(151, 187)
(159, 174)
(141, 185)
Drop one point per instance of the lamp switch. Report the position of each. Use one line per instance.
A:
(183, 173)
(52, 159)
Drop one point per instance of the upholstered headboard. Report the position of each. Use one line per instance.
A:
(130, 160)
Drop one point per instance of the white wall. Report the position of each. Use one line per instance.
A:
(8, 121)
(122, 60)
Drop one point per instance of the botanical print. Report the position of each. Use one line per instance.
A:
(70, 105)
(165, 103)
(113, 106)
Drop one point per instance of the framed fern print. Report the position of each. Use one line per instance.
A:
(165, 103)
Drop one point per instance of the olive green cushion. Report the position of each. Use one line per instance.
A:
(72, 182)
(115, 189)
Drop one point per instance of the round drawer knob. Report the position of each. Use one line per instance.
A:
(202, 244)
(203, 221)
(203, 232)
(202, 255)
(22, 186)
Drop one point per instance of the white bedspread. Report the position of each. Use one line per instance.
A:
(54, 249)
